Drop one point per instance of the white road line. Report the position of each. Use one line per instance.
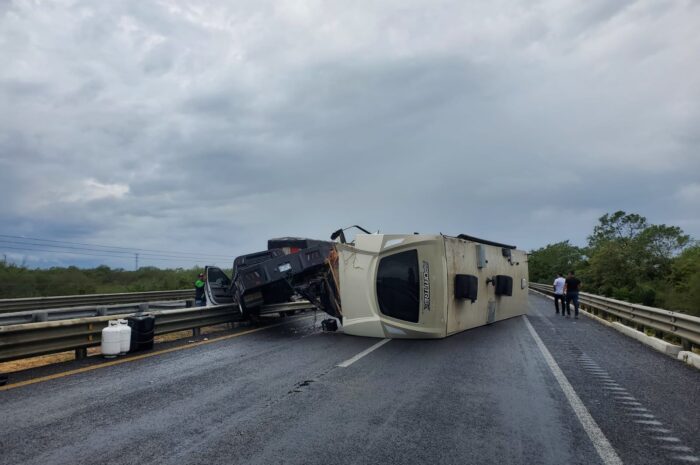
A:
(687, 458)
(666, 438)
(659, 430)
(600, 442)
(678, 448)
(352, 360)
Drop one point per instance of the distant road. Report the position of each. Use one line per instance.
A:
(484, 396)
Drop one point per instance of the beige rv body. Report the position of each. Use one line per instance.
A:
(440, 259)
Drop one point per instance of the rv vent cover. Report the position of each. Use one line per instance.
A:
(504, 285)
(466, 287)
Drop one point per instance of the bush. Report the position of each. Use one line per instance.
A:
(644, 295)
(18, 281)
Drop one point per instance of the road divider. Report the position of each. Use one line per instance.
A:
(33, 339)
(133, 358)
(653, 342)
(691, 358)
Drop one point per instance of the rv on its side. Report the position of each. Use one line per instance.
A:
(428, 286)
(384, 285)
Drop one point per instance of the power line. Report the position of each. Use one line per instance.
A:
(36, 242)
(131, 249)
(113, 252)
(124, 257)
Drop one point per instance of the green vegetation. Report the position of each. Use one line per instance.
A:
(629, 259)
(18, 281)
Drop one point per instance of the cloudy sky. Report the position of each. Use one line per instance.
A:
(207, 127)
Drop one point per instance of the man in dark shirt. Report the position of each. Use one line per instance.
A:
(571, 289)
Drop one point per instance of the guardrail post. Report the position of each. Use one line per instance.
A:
(41, 316)
(196, 332)
(189, 303)
(143, 308)
(686, 344)
(101, 311)
(81, 353)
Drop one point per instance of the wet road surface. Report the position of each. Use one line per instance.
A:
(485, 396)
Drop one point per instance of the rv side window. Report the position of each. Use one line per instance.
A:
(398, 286)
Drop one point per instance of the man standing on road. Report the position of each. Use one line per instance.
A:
(199, 299)
(572, 285)
(559, 293)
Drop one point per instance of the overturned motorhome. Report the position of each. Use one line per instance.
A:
(387, 285)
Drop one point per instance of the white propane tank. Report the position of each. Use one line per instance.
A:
(124, 336)
(111, 345)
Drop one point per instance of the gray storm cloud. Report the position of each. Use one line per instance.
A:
(211, 126)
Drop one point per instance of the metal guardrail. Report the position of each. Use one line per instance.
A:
(33, 339)
(686, 327)
(37, 303)
(68, 313)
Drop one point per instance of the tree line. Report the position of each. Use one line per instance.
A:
(20, 281)
(627, 258)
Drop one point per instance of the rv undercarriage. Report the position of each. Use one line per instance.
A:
(294, 270)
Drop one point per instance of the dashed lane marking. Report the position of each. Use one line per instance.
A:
(642, 417)
(678, 448)
(352, 360)
(686, 458)
(600, 442)
(659, 430)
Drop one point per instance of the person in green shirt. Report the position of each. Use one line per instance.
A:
(200, 299)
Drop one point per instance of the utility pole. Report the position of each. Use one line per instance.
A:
(136, 259)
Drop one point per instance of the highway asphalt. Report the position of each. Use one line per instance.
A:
(485, 396)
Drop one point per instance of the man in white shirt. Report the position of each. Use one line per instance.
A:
(558, 286)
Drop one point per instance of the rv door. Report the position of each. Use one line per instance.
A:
(218, 286)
